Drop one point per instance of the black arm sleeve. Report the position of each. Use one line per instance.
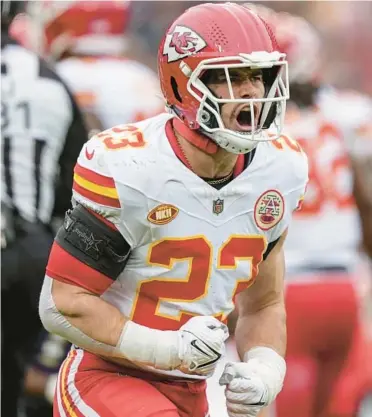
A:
(92, 242)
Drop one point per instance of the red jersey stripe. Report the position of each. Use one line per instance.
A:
(91, 176)
(96, 198)
(66, 268)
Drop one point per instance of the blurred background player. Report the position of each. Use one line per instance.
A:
(42, 132)
(86, 40)
(328, 353)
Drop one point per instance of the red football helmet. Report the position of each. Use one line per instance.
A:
(222, 36)
(81, 27)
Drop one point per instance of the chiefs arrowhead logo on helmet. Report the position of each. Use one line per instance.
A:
(182, 42)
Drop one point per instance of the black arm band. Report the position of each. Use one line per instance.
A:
(94, 243)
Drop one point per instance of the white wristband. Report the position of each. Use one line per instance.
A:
(273, 368)
(50, 387)
(156, 348)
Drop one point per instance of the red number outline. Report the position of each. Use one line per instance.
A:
(255, 258)
(285, 142)
(199, 254)
(122, 137)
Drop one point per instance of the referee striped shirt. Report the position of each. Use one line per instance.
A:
(42, 132)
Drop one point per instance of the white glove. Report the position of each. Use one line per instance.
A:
(202, 345)
(193, 349)
(253, 384)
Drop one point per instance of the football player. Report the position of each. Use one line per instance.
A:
(174, 219)
(329, 358)
(86, 41)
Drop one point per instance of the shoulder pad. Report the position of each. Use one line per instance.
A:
(94, 185)
(287, 143)
(96, 171)
(295, 160)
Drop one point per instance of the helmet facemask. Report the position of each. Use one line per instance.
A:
(275, 75)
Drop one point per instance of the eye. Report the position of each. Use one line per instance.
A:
(235, 78)
(257, 77)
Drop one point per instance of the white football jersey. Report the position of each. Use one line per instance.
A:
(193, 247)
(352, 112)
(116, 90)
(326, 231)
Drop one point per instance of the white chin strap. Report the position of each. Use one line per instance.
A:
(232, 143)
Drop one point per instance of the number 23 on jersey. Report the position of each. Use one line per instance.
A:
(122, 137)
(198, 252)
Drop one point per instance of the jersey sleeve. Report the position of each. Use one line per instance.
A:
(77, 258)
(297, 193)
(93, 185)
(296, 180)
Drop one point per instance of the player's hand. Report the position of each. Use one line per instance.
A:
(202, 345)
(253, 384)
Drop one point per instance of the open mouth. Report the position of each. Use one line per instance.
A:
(244, 119)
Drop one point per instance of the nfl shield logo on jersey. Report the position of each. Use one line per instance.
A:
(217, 206)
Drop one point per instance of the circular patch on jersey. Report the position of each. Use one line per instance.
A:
(162, 214)
(269, 209)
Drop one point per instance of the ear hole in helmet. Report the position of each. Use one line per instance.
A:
(207, 117)
(175, 89)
